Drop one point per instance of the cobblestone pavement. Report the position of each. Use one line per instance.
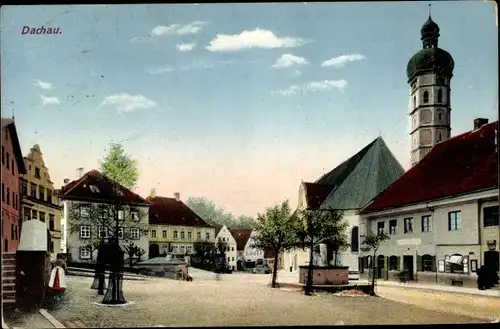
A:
(233, 301)
(17, 319)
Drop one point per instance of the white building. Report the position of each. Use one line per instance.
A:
(348, 187)
(227, 238)
(252, 254)
(88, 213)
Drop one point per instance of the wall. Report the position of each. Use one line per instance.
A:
(175, 243)
(231, 252)
(10, 182)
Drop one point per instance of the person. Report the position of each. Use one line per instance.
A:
(291, 268)
(481, 278)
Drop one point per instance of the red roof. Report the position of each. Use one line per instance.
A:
(106, 189)
(10, 125)
(241, 235)
(460, 165)
(169, 211)
(316, 194)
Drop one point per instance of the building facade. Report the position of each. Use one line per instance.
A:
(429, 74)
(175, 228)
(440, 231)
(12, 168)
(224, 236)
(92, 205)
(251, 254)
(39, 201)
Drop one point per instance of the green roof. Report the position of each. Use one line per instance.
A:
(359, 179)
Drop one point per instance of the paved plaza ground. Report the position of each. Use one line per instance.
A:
(236, 299)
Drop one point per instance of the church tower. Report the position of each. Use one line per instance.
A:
(429, 74)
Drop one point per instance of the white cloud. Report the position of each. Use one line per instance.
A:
(288, 60)
(186, 46)
(297, 73)
(313, 86)
(178, 29)
(49, 100)
(140, 39)
(159, 70)
(257, 38)
(342, 60)
(125, 102)
(42, 84)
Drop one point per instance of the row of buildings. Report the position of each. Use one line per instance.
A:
(441, 214)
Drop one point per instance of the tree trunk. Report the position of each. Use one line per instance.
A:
(372, 292)
(275, 270)
(309, 282)
(335, 262)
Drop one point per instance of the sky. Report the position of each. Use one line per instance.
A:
(233, 102)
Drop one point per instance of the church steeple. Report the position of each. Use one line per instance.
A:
(429, 33)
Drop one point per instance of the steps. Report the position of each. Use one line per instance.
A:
(9, 278)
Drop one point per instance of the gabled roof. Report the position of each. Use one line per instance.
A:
(18, 154)
(170, 211)
(241, 235)
(106, 190)
(460, 165)
(353, 183)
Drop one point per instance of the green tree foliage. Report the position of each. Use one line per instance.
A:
(120, 166)
(313, 227)
(374, 242)
(274, 230)
(217, 216)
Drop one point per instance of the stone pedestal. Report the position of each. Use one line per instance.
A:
(325, 275)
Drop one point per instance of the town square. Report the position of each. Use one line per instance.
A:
(266, 164)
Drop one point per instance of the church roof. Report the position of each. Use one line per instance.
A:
(353, 183)
(460, 165)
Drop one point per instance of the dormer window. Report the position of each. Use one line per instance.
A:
(94, 189)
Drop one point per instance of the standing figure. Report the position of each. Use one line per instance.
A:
(57, 280)
(480, 278)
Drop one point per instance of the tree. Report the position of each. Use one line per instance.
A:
(133, 251)
(313, 227)
(274, 230)
(120, 167)
(374, 242)
(215, 215)
(338, 244)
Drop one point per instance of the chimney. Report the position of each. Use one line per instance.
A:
(152, 193)
(479, 122)
(66, 181)
(177, 196)
(79, 172)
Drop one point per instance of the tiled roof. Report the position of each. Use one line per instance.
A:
(169, 211)
(106, 189)
(460, 165)
(241, 235)
(18, 154)
(353, 183)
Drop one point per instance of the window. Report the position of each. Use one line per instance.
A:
(120, 214)
(27, 214)
(393, 263)
(12, 230)
(84, 211)
(414, 101)
(380, 227)
(440, 136)
(94, 189)
(84, 253)
(427, 263)
(229, 259)
(121, 231)
(3, 155)
(198, 235)
(34, 214)
(232, 258)
(355, 239)
(393, 226)
(440, 116)
(49, 195)
(182, 235)
(164, 234)
(103, 210)
(232, 248)
(427, 223)
(153, 233)
(41, 193)
(175, 235)
(189, 249)
(189, 236)
(33, 190)
(426, 97)
(3, 193)
(12, 167)
(85, 232)
(8, 196)
(207, 236)
(454, 220)
(134, 233)
(24, 188)
(490, 216)
(51, 246)
(37, 173)
(102, 232)
(52, 222)
(8, 160)
(440, 96)
(135, 216)
(408, 225)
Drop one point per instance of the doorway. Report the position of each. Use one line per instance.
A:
(492, 258)
(408, 266)
(154, 250)
(380, 266)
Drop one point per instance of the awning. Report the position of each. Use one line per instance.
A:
(456, 259)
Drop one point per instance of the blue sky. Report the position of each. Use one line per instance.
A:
(234, 102)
